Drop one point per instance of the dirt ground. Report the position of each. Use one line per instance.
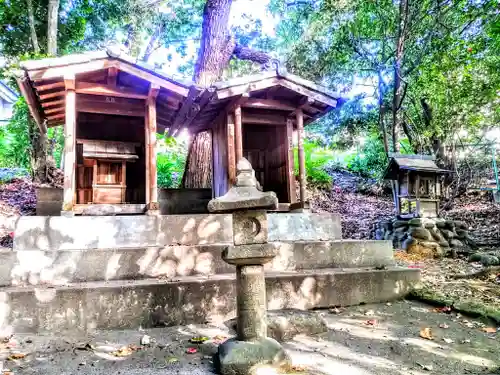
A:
(382, 339)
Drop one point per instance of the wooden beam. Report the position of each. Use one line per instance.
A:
(32, 102)
(50, 86)
(60, 71)
(53, 103)
(268, 104)
(69, 144)
(128, 68)
(238, 133)
(51, 95)
(183, 111)
(302, 158)
(54, 110)
(92, 88)
(110, 108)
(54, 117)
(231, 156)
(112, 76)
(237, 100)
(263, 119)
(292, 198)
(206, 98)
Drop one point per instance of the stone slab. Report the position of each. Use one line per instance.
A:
(63, 266)
(189, 299)
(79, 233)
(304, 227)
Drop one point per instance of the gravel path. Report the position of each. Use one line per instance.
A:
(382, 339)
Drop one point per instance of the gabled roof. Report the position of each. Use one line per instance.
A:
(420, 163)
(7, 94)
(270, 96)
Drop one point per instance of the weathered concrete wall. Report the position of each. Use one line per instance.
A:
(49, 201)
(37, 267)
(188, 300)
(184, 201)
(304, 227)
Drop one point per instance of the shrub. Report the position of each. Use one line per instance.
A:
(317, 158)
(170, 162)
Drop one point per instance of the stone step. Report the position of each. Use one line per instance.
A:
(115, 232)
(60, 267)
(189, 299)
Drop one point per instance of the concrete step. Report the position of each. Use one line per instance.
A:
(188, 299)
(61, 267)
(116, 232)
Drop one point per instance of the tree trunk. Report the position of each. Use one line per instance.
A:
(53, 20)
(38, 154)
(216, 49)
(198, 173)
(31, 19)
(397, 117)
(217, 45)
(381, 113)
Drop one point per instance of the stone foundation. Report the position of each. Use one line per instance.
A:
(435, 237)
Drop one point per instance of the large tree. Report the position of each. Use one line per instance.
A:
(218, 45)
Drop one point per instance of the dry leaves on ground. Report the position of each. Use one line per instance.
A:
(426, 333)
(125, 351)
(489, 329)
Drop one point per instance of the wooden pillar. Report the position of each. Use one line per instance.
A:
(238, 137)
(302, 158)
(69, 144)
(231, 156)
(292, 196)
(150, 139)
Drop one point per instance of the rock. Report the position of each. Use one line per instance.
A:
(461, 234)
(456, 243)
(401, 229)
(285, 324)
(399, 223)
(475, 257)
(387, 225)
(460, 225)
(444, 243)
(420, 233)
(244, 357)
(379, 234)
(450, 224)
(447, 234)
(417, 222)
(440, 223)
(429, 224)
(388, 236)
(100, 210)
(407, 243)
(489, 260)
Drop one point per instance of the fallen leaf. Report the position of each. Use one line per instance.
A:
(172, 360)
(370, 313)
(489, 330)
(191, 350)
(447, 340)
(466, 341)
(16, 356)
(219, 339)
(124, 351)
(286, 369)
(198, 339)
(388, 304)
(371, 322)
(145, 340)
(444, 325)
(334, 310)
(426, 333)
(445, 310)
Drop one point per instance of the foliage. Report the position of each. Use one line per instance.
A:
(317, 158)
(370, 158)
(170, 162)
(8, 174)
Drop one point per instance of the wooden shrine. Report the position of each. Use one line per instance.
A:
(112, 107)
(418, 184)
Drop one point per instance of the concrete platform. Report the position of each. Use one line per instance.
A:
(64, 266)
(189, 299)
(109, 232)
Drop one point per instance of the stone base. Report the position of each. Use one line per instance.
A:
(244, 358)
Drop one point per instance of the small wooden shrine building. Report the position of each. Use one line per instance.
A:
(112, 107)
(418, 184)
